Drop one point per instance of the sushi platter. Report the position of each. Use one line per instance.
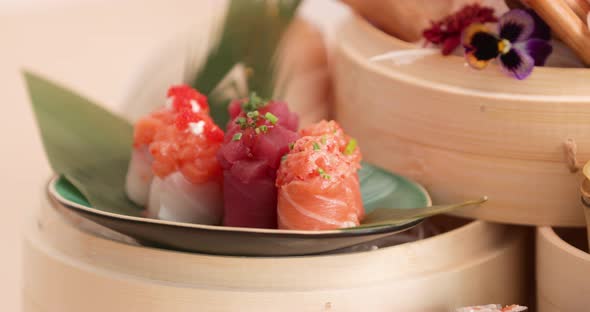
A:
(179, 216)
(219, 171)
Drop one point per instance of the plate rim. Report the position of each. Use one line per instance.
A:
(60, 200)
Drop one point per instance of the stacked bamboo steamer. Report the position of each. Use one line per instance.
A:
(68, 268)
(465, 133)
(472, 263)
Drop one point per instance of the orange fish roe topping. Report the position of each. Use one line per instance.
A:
(183, 100)
(183, 97)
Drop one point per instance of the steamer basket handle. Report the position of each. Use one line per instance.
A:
(571, 155)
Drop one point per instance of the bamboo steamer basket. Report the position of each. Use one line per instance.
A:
(563, 267)
(66, 268)
(464, 133)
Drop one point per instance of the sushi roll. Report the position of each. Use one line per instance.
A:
(347, 146)
(173, 170)
(317, 181)
(139, 174)
(187, 183)
(258, 135)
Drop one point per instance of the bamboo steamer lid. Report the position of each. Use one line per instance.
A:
(98, 274)
(464, 133)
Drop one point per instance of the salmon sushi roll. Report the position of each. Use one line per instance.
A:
(347, 146)
(257, 136)
(317, 188)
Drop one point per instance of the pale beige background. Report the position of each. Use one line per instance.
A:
(93, 46)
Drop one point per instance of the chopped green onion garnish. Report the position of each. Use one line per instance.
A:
(291, 145)
(254, 102)
(272, 118)
(350, 147)
(241, 121)
(253, 114)
(264, 128)
(284, 157)
(237, 136)
(316, 146)
(323, 173)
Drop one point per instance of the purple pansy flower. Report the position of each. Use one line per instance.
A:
(520, 43)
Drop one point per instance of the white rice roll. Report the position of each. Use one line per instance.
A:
(174, 198)
(139, 176)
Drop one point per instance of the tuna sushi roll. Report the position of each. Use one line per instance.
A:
(257, 136)
(318, 187)
(173, 170)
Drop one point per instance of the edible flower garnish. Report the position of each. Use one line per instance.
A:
(447, 32)
(520, 44)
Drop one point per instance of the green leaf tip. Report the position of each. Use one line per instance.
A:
(85, 143)
(251, 36)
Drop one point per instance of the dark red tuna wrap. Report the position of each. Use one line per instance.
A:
(258, 135)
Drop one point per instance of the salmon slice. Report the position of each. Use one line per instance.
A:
(308, 206)
(318, 186)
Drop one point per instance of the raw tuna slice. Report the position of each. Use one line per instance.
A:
(258, 135)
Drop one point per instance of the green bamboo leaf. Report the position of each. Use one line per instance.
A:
(391, 216)
(251, 35)
(86, 144)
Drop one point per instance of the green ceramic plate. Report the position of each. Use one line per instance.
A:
(379, 189)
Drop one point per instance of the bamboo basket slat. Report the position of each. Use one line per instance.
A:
(68, 269)
(465, 133)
